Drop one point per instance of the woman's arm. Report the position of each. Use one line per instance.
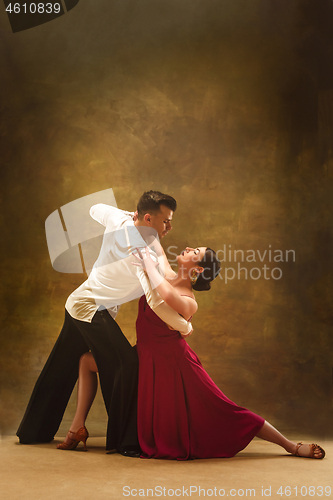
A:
(169, 272)
(183, 305)
(163, 310)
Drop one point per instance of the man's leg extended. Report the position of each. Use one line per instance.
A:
(54, 386)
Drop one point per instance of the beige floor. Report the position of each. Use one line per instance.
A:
(41, 472)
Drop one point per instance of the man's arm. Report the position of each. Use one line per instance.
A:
(101, 213)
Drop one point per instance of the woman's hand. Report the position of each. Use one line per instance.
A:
(144, 259)
(185, 335)
(146, 262)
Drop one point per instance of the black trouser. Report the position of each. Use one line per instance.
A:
(117, 364)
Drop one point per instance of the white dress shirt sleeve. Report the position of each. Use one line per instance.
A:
(106, 214)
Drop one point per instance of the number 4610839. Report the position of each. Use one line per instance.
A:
(305, 491)
(33, 8)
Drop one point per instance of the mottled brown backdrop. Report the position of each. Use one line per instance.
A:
(227, 106)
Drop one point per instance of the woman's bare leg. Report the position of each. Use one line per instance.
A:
(269, 433)
(86, 392)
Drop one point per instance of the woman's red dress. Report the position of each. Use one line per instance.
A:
(182, 414)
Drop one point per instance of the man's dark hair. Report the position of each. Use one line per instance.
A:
(151, 201)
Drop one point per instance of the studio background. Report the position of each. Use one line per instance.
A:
(224, 104)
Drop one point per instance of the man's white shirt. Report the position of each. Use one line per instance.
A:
(114, 279)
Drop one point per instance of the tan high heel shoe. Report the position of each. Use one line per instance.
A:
(316, 451)
(81, 435)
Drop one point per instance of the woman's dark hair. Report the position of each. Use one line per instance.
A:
(151, 201)
(211, 265)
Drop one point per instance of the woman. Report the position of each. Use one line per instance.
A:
(182, 414)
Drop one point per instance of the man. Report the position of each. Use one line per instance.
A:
(89, 325)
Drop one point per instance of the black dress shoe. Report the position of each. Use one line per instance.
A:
(130, 451)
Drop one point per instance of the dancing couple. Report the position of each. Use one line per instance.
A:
(161, 403)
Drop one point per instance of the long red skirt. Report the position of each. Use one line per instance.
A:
(182, 414)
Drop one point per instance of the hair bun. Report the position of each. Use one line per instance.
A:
(211, 266)
(201, 286)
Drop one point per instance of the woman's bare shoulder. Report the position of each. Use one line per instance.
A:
(192, 306)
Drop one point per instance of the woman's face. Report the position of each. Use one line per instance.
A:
(190, 257)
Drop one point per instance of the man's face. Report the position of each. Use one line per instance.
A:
(161, 222)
